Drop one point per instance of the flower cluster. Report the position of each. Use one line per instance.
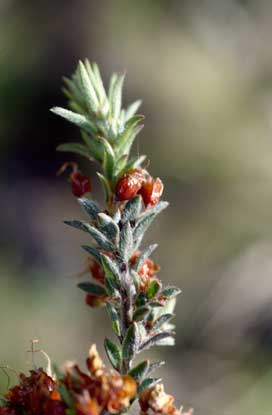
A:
(99, 390)
(76, 391)
(139, 181)
(35, 394)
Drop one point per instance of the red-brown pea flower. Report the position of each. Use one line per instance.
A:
(151, 191)
(129, 185)
(80, 184)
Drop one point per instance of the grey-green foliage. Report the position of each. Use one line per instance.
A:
(107, 131)
(140, 317)
(113, 353)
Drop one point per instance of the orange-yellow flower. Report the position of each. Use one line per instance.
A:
(156, 401)
(94, 362)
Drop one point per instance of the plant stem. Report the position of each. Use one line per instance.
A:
(125, 311)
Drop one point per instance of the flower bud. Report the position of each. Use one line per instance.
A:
(129, 185)
(151, 191)
(80, 184)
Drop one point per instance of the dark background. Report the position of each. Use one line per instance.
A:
(204, 71)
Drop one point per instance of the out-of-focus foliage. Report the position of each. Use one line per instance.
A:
(204, 72)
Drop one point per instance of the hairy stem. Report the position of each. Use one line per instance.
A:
(126, 310)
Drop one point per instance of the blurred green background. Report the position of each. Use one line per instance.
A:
(204, 71)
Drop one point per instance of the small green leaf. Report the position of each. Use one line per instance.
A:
(106, 186)
(126, 242)
(90, 73)
(95, 79)
(114, 316)
(74, 91)
(128, 134)
(92, 251)
(134, 120)
(132, 109)
(111, 270)
(90, 207)
(98, 236)
(117, 216)
(113, 79)
(94, 145)
(170, 292)
(132, 209)
(161, 339)
(147, 218)
(87, 89)
(74, 106)
(142, 332)
(115, 96)
(156, 209)
(139, 371)
(77, 224)
(80, 120)
(127, 139)
(141, 313)
(120, 168)
(92, 288)
(141, 300)
(109, 157)
(130, 343)
(136, 280)
(153, 289)
(165, 318)
(110, 288)
(148, 383)
(76, 148)
(108, 226)
(113, 353)
(166, 341)
(99, 83)
(140, 228)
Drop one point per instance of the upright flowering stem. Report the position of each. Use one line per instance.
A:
(139, 307)
(125, 277)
